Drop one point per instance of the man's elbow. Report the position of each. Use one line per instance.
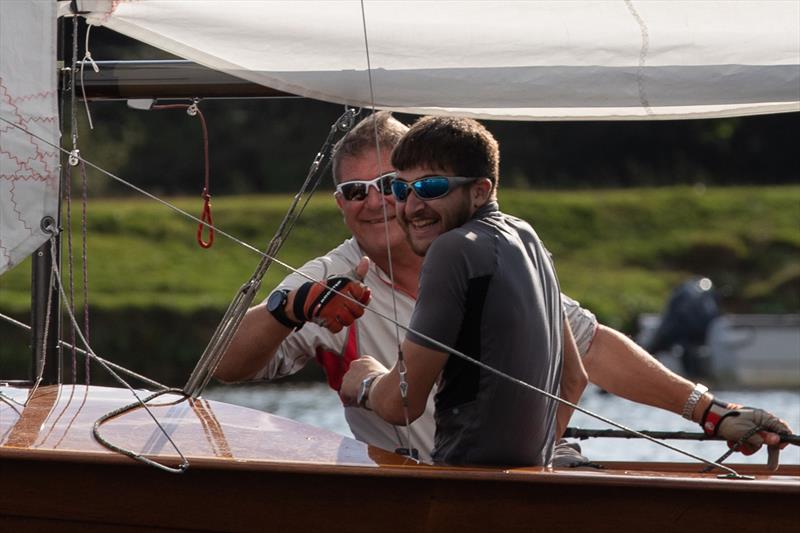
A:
(574, 382)
(226, 376)
(582, 377)
(232, 374)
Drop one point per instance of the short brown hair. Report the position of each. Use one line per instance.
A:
(461, 145)
(362, 138)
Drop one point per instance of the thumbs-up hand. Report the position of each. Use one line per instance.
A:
(336, 303)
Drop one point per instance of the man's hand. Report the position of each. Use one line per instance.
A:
(360, 369)
(733, 422)
(335, 304)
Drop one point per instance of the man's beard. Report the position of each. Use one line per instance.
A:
(458, 218)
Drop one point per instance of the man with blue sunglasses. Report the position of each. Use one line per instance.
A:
(267, 349)
(487, 288)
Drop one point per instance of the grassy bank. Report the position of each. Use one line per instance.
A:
(154, 292)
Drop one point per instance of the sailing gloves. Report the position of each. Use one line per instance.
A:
(334, 304)
(734, 422)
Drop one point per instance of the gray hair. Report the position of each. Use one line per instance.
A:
(361, 138)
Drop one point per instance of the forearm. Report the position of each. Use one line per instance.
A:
(423, 366)
(254, 345)
(618, 365)
(387, 402)
(573, 380)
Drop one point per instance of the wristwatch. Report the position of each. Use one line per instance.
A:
(691, 401)
(363, 392)
(276, 305)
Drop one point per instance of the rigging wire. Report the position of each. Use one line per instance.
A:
(73, 161)
(138, 403)
(433, 342)
(223, 336)
(65, 344)
(401, 362)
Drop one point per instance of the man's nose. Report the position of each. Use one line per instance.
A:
(375, 198)
(413, 203)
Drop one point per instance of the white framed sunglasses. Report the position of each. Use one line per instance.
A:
(358, 190)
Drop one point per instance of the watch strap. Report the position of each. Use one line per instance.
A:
(691, 401)
(363, 392)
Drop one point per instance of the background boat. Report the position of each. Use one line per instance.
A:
(741, 351)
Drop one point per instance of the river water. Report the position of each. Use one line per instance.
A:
(316, 404)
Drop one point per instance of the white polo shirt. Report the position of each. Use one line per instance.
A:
(375, 336)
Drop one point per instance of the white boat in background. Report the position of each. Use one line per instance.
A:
(742, 350)
(757, 351)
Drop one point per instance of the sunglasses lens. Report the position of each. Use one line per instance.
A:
(386, 184)
(430, 188)
(353, 191)
(400, 190)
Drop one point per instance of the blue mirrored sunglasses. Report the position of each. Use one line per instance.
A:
(358, 190)
(428, 187)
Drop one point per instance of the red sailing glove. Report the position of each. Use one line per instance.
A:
(733, 422)
(320, 304)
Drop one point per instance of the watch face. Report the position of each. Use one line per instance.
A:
(276, 301)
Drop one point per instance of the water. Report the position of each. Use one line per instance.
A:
(318, 405)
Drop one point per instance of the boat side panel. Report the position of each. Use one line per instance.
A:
(119, 497)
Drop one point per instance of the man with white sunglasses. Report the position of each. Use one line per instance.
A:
(266, 347)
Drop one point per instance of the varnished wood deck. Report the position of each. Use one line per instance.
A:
(251, 471)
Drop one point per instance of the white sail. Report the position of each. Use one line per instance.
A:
(28, 98)
(542, 60)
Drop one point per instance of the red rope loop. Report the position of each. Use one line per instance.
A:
(206, 214)
(206, 217)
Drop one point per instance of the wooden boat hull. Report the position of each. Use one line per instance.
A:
(270, 480)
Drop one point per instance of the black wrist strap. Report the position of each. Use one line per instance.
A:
(300, 300)
(280, 314)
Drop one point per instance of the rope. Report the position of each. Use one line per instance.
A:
(71, 162)
(139, 402)
(182, 467)
(735, 448)
(441, 346)
(207, 220)
(226, 329)
(83, 352)
(401, 362)
(85, 265)
(87, 57)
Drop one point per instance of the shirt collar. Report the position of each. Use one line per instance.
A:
(487, 209)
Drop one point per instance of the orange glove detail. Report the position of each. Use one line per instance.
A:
(334, 305)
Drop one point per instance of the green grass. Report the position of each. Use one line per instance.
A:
(620, 252)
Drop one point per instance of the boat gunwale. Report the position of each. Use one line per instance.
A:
(615, 474)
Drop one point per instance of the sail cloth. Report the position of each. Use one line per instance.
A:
(579, 60)
(29, 170)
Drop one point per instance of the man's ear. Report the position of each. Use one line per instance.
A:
(481, 192)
